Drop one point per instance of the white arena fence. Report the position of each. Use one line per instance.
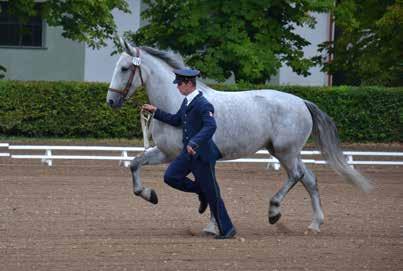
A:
(2, 146)
(124, 159)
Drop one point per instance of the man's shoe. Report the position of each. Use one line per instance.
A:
(229, 235)
(203, 204)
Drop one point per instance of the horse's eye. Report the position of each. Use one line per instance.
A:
(125, 69)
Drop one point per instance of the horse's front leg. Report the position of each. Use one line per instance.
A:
(152, 156)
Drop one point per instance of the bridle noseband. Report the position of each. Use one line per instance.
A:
(133, 67)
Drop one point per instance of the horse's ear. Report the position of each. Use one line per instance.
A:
(121, 42)
(128, 48)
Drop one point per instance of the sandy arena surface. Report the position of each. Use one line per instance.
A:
(83, 216)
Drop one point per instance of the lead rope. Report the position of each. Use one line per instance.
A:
(145, 120)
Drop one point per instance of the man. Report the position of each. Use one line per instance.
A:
(199, 153)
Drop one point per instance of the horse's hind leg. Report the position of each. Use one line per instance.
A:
(295, 171)
(310, 184)
(152, 156)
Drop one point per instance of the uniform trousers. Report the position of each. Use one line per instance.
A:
(205, 183)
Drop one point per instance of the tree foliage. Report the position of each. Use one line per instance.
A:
(249, 38)
(368, 49)
(89, 21)
(2, 71)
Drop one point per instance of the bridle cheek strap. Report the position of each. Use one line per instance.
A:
(129, 83)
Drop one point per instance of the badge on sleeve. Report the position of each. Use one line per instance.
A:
(211, 114)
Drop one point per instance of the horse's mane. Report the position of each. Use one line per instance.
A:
(169, 57)
(175, 61)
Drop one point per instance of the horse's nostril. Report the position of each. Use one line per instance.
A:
(110, 102)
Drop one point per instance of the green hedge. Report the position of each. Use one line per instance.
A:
(64, 109)
(362, 114)
(76, 109)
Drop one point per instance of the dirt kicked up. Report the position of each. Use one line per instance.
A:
(83, 216)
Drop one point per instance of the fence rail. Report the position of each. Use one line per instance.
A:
(124, 158)
(4, 154)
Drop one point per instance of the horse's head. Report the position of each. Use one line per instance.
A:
(127, 76)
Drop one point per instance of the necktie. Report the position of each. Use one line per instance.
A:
(186, 101)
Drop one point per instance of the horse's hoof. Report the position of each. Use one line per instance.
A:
(153, 197)
(210, 229)
(208, 233)
(138, 192)
(311, 231)
(274, 219)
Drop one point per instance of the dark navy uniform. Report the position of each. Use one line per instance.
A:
(198, 126)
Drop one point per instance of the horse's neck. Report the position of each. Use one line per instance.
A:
(160, 89)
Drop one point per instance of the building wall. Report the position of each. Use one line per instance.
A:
(59, 59)
(315, 36)
(99, 63)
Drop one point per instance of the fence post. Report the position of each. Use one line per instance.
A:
(4, 154)
(275, 164)
(124, 162)
(350, 160)
(48, 160)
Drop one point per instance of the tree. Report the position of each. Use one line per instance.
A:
(249, 38)
(368, 47)
(2, 69)
(89, 21)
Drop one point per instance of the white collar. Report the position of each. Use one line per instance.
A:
(191, 96)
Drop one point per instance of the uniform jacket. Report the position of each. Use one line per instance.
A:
(198, 126)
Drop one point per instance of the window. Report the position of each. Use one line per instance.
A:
(13, 33)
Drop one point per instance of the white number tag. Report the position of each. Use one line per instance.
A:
(136, 61)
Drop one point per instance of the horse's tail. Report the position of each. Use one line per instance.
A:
(325, 134)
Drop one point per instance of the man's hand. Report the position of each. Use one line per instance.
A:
(149, 107)
(190, 150)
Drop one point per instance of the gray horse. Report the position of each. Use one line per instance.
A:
(246, 122)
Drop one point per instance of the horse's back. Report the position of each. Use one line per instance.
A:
(250, 120)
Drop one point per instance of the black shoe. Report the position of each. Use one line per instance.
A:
(229, 235)
(203, 204)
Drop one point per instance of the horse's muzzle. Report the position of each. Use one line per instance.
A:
(114, 101)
